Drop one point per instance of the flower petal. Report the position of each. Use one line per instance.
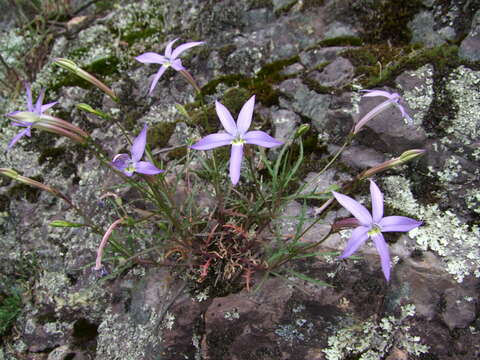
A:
(38, 104)
(212, 141)
(138, 146)
(357, 209)
(377, 202)
(168, 49)
(120, 161)
(236, 162)
(47, 106)
(373, 93)
(398, 224)
(177, 65)
(261, 138)
(157, 77)
(181, 48)
(359, 236)
(29, 97)
(226, 119)
(145, 167)
(382, 249)
(151, 58)
(18, 137)
(245, 116)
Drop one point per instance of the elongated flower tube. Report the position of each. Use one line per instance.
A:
(34, 112)
(77, 70)
(405, 157)
(373, 225)
(131, 164)
(392, 99)
(169, 59)
(236, 135)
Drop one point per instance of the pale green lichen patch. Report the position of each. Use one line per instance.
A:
(442, 231)
(373, 339)
(419, 97)
(463, 84)
(121, 338)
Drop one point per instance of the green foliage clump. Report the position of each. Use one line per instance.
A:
(10, 308)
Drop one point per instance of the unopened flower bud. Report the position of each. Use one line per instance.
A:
(74, 68)
(302, 129)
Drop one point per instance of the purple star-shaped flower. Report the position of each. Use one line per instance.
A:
(236, 135)
(38, 110)
(170, 58)
(128, 165)
(372, 225)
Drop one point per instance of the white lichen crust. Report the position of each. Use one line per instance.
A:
(373, 339)
(442, 232)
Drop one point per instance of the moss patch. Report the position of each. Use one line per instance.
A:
(387, 20)
(342, 41)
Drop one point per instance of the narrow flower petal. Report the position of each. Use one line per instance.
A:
(157, 77)
(235, 163)
(373, 93)
(168, 49)
(151, 58)
(138, 146)
(359, 236)
(357, 209)
(120, 161)
(177, 65)
(382, 249)
(29, 97)
(245, 117)
(226, 119)
(47, 106)
(145, 167)
(212, 141)
(38, 104)
(18, 137)
(261, 138)
(377, 202)
(398, 224)
(181, 48)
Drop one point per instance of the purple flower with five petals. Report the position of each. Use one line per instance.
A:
(130, 164)
(170, 58)
(373, 225)
(236, 135)
(38, 110)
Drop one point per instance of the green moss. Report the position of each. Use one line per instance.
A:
(10, 308)
(342, 41)
(387, 20)
(134, 36)
(159, 134)
(104, 66)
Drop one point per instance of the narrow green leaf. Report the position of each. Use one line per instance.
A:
(63, 223)
(308, 278)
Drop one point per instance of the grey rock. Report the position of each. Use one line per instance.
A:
(282, 4)
(284, 123)
(337, 29)
(423, 32)
(315, 57)
(470, 46)
(360, 157)
(336, 74)
(460, 308)
(305, 101)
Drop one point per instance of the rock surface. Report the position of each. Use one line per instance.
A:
(305, 61)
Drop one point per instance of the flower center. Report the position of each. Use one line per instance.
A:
(375, 230)
(238, 141)
(130, 167)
